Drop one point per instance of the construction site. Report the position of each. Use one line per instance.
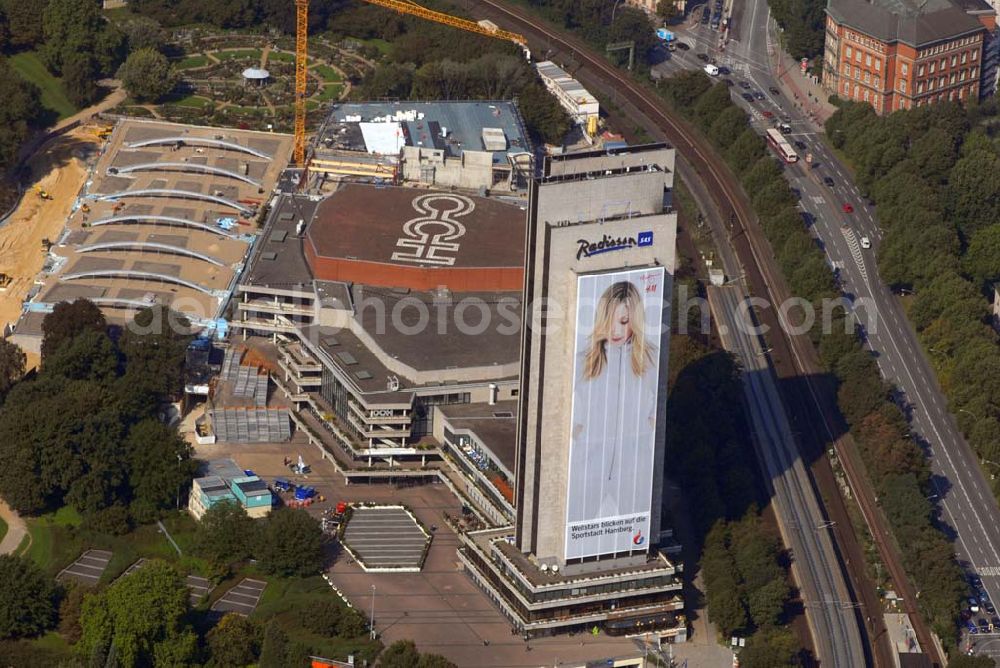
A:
(167, 215)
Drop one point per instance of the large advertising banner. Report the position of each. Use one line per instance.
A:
(613, 429)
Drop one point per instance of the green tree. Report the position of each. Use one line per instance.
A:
(351, 624)
(290, 543)
(67, 320)
(24, 21)
(123, 614)
(154, 344)
(400, 654)
(70, 609)
(27, 604)
(321, 617)
(745, 151)
(70, 28)
(12, 361)
(234, 641)
(981, 260)
(274, 647)
(80, 79)
(772, 648)
(974, 200)
(148, 75)
(225, 535)
(667, 10)
(544, 117)
(88, 356)
(728, 126)
(160, 463)
(19, 112)
(711, 104)
(143, 32)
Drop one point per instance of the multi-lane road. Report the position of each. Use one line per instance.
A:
(803, 526)
(963, 492)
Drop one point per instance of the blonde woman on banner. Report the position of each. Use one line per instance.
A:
(614, 404)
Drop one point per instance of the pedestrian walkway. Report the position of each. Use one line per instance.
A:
(16, 529)
(804, 92)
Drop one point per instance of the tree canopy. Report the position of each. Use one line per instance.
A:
(148, 75)
(27, 598)
(76, 435)
(143, 617)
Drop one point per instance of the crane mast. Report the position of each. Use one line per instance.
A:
(401, 6)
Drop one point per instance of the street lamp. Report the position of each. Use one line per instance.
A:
(371, 623)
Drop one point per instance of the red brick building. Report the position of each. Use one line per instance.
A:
(895, 54)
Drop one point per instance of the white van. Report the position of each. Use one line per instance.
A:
(711, 70)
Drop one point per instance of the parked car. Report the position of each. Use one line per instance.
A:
(973, 604)
(774, 91)
(703, 57)
(745, 85)
(767, 114)
(705, 16)
(984, 626)
(759, 96)
(748, 97)
(801, 145)
(828, 181)
(683, 46)
(866, 243)
(847, 208)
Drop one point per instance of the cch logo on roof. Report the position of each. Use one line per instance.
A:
(587, 248)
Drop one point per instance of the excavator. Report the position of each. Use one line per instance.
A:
(42, 193)
(486, 28)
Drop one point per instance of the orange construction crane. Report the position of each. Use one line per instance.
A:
(401, 6)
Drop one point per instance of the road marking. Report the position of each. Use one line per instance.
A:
(855, 248)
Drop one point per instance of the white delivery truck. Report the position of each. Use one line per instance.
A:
(711, 70)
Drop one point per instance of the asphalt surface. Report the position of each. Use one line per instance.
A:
(804, 529)
(967, 503)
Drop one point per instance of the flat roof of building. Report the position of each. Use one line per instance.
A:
(382, 224)
(453, 126)
(442, 345)
(278, 259)
(494, 426)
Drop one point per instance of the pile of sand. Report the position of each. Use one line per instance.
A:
(61, 173)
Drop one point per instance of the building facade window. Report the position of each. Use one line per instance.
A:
(933, 68)
(920, 71)
(878, 65)
(849, 51)
(868, 60)
(920, 88)
(902, 86)
(904, 69)
(965, 57)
